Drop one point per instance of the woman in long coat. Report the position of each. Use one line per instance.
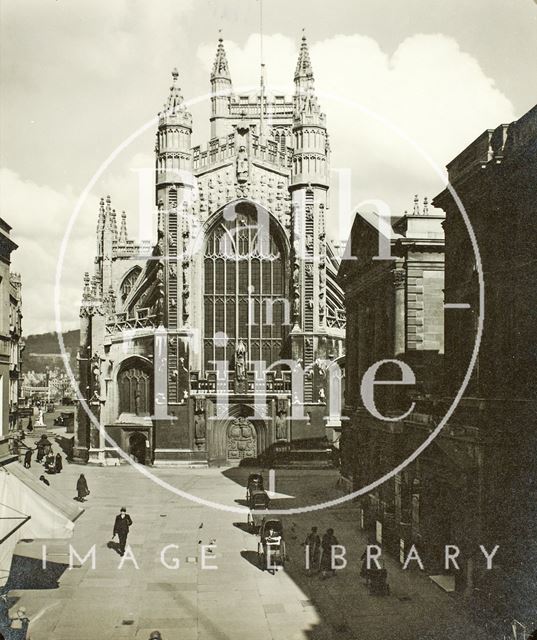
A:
(82, 488)
(58, 464)
(329, 540)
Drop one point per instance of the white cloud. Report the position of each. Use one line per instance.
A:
(39, 216)
(435, 94)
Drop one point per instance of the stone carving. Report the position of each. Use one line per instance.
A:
(241, 440)
(398, 278)
(200, 427)
(242, 165)
(281, 426)
(240, 361)
(95, 366)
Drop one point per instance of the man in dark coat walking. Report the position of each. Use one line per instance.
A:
(121, 529)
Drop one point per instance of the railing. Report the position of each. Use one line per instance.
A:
(220, 150)
(478, 153)
(336, 320)
(142, 320)
(272, 383)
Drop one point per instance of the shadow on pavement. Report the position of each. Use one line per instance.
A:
(28, 573)
(252, 558)
(66, 445)
(243, 526)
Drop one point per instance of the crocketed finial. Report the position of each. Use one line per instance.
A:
(220, 65)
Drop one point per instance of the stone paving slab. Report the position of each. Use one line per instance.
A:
(237, 601)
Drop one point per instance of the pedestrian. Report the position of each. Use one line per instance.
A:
(44, 480)
(378, 580)
(328, 542)
(43, 447)
(29, 426)
(121, 528)
(28, 459)
(19, 622)
(155, 635)
(82, 488)
(313, 550)
(58, 464)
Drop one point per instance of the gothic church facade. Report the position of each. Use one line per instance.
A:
(215, 345)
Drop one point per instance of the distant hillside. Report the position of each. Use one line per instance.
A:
(43, 350)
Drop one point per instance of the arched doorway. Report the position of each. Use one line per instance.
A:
(241, 441)
(138, 447)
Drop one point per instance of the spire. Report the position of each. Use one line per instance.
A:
(86, 293)
(175, 99)
(303, 69)
(220, 66)
(123, 229)
(101, 220)
(108, 207)
(113, 224)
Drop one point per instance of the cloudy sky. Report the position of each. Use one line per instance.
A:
(399, 82)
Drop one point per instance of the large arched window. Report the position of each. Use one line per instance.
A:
(135, 391)
(245, 293)
(128, 282)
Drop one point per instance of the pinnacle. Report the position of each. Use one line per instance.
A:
(220, 66)
(175, 99)
(303, 67)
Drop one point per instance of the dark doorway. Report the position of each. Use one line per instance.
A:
(138, 448)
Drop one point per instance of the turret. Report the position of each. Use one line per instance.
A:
(173, 144)
(220, 93)
(310, 160)
(308, 187)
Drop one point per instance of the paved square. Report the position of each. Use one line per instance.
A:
(235, 601)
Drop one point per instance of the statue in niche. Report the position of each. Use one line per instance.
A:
(240, 361)
(281, 426)
(200, 427)
(96, 372)
(242, 165)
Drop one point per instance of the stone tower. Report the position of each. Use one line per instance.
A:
(308, 187)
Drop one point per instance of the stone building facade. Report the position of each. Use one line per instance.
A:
(475, 483)
(11, 344)
(394, 312)
(493, 430)
(182, 342)
(17, 348)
